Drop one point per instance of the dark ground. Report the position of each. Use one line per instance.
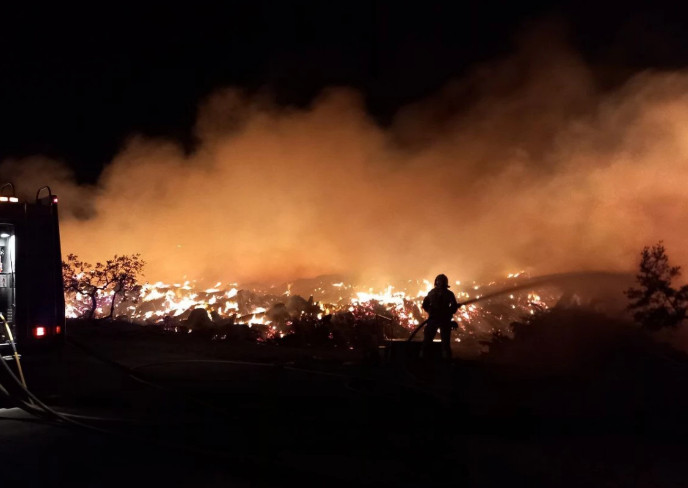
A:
(301, 417)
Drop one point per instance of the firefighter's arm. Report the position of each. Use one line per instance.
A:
(454, 305)
(426, 303)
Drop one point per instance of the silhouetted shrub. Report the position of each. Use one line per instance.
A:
(656, 304)
(561, 341)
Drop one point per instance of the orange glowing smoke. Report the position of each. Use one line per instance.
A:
(525, 163)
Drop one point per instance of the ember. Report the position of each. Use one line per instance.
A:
(277, 309)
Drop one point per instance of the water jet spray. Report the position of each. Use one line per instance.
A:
(559, 278)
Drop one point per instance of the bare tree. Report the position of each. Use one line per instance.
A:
(656, 304)
(122, 274)
(118, 277)
(82, 278)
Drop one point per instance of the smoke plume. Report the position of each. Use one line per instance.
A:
(523, 164)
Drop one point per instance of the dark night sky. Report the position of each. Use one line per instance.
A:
(75, 83)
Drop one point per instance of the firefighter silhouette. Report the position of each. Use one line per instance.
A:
(441, 305)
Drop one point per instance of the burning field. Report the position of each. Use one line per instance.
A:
(526, 163)
(340, 308)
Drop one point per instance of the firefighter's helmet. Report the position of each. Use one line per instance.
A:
(441, 281)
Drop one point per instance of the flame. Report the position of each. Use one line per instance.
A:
(400, 304)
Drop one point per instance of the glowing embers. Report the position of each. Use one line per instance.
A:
(273, 312)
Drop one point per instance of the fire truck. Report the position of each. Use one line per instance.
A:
(31, 289)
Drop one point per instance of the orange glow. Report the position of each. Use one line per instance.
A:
(170, 304)
(539, 169)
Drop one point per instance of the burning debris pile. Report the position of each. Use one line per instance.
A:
(335, 310)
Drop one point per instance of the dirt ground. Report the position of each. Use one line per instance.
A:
(181, 412)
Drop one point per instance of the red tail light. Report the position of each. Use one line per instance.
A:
(58, 329)
(39, 331)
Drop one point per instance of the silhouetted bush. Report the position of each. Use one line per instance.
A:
(656, 304)
(569, 341)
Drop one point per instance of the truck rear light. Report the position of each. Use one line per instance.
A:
(14, 199)
(39, 331)
(4, 199)
(58, 329)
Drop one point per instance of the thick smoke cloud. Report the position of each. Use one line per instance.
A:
(524, 164)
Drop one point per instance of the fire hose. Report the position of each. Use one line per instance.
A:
(542, 280)
(17, 392)
(12, 389)
(14, 348)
